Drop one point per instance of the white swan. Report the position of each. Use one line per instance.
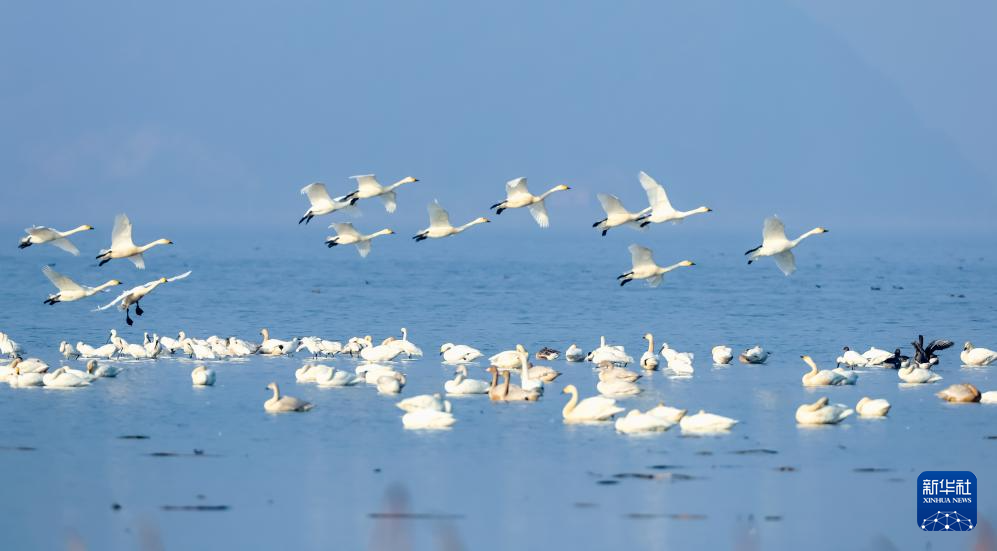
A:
(122, 245)
(68, 351)
(198, 351)
(914, 374)
(30, 365)
(850, 377)
(822, 413)
(346, 234)
(462, 385)
(368, 186)
(670, 414)
(16, 379)
(989, 397)
(379, 353)
(106, 351)
(283, 404)
(61, 379)
(321, 202)
(320, 347)
(612, 354)
(868, 407)
(821, 377)
(722, 355)
(272, 346)
(960, 393)
(661, 207)
(7, 345)
(610, 372)
(678, 362)
(508, 392)
(635, 422)
(391, 384)
(574, 353)
(649, 360)
(336, 378)
(69, 290)
(372, 372)
(434, 402)
(439, 224)
(429, 418)
(97, 371)
(407, 347)
(202, 376)
(776, 245)
(38, 235)
(753, 355)
(589, 410)
(617, 388)
(644, 267)
(876, 356)
(852, 358)
(706, 423)
(517, 196)
(616, 213)
(132, 296)
(459, 353)
(977, 357)
(507, 359)
(525, 381)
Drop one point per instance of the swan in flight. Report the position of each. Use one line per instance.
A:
(282, 404)
(122, 245)
(776, 245)
(136, 294)
(346, 234)
(69, 290)
(644, 267)
(38, 235)
(661, 208)
(616, 213)
(462, 385)
(822, 413)
(706, 423)
(517, 196)
(868, 407)
(960, 393)
(590, 410)
(202, 376)
(321, 202)
(367, 187)
(459, 353)
(977, 357)
(439, 224)
(722, 355)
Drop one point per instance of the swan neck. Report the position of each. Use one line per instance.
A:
(572, 402)
(814, 231)
(650, 345)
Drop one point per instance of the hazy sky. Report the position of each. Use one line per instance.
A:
(202, 114)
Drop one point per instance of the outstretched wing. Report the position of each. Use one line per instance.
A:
(656, 195)
(121, 235)
(389, 201)
(786, 262)
(539, 212)
(345, 229)
(938, 344)
(61, 282)
(773, 230)
(611, 204)
(438, 217)
(640, 256)
(179, 277)
(363, 247)
(516, 188)
(654, 281)
(66, 245)
(318, 196)
(120, 298)
(367, 184)
(138, 260)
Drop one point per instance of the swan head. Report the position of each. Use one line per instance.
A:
(968, 346)
(520, 349)
(492, 369)
(821, 230)
(569, 389)
(648, 336)
(87, 227)
(91, 366)
(445, 346)
(163, 242)
(562, 187)
(408, 180)
(272, 386)
(809, 361)
(846, 349)
(862, 400)
(821, 402)
(163, 280)
(481, 220)
(687, 263)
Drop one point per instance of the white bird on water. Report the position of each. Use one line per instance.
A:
(722, 354)
(346, 234)
(977, 357)
(459, 353)
(38, 235)
(283, 404)
(122, 245)
(616, 213)
(202, 376)
(321, 202)
(368, 186)
(822, 413)
(69, 290)
(439, 224)
(136, 294)
(776, 245)
(517, 195)
(644, 267)
(661, 208)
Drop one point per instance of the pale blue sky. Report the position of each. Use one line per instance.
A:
(840, 114)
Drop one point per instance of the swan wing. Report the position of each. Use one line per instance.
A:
(62, 282)
(345, 229)
(438, 217)
(611, 204)
(66, 245)
(596, 406)
(317, 194)
(115, 301)
(654, 281)
(656, 195)
(138, 260)
(367, 184)
(179, 277)
(786, 262)
(640, 256)
(363, 247)
(516, 188)
(42, 233)
(389, 201)
(121, 235)
(773, 230)
(539, 212)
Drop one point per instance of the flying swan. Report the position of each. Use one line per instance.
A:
(135, 294)
(439, 224)
(661, 208)
(321, 202)
(367, 187)
(644, 267)
(69, 290)
(346, 234)
(517, 196)
(776, 245)
(38, 235)
(122, 245)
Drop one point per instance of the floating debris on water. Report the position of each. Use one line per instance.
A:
(18, 448)
(195, 507)
(872, 470)
(416, 516)
(133, 437)
(757, 451)
(786, 469)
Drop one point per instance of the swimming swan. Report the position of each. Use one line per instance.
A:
(868, 407)
(590, 410)
(649, 360)
(391, 383)
(824, 377)
(977, 357)
(429, 418)
(202, 376)
(321, 202)
(97, 371)
(24, 380)
(69, 290)
(368, 186)
(333, 377)
(518, 196)
(776, 245)
(122, 245)
(753, 355)
(508, 392)
(670, 414)
(822, 413)
(574, 354)
(706, 423)
(61, 379)
(722, 355)
(136, 294)
(462, 385)
(635, 422)
(914, 374)
(617, 389)
(610, 372)
(434, 402)
(284, 404)
(661, 207)
(407, 347)
(346, 234)
(616, 214)
(960, 393)
(38, 235)
(439, 224)
(379, 353)
(459, 353)
(644, 267)
(851, 358)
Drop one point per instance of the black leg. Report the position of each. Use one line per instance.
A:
(105, 261)
(138, 310)
(24, 245)
(128, 319)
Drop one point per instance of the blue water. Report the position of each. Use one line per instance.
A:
(507, 475)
